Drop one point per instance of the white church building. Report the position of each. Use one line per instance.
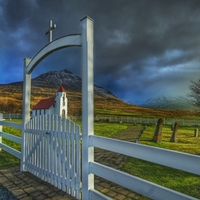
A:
(56, 105)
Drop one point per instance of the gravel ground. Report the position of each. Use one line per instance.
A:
(6, 195)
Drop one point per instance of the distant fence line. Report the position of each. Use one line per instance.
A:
(139, 120)
(135, 120)
(12, 116)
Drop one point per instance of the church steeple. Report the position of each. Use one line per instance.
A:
(61, 89)
(61, 102)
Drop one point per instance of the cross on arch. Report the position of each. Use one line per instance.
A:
(50, 30)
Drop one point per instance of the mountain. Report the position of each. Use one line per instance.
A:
(46, 85)
(172, 103)
(69, 81)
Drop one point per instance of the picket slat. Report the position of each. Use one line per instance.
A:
(73, 161)
(53, 152)
(68, 163)
(63, 155)
(78, 162)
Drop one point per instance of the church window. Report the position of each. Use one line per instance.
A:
(63, 100)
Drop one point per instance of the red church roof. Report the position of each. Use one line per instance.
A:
(44, 104)
(61, 89)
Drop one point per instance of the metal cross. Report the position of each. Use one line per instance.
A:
(50, 30)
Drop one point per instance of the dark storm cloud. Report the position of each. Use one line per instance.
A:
(142, 47)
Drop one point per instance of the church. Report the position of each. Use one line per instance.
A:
(56, 105)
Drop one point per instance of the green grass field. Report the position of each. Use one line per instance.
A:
(171, 178)
(175, 179)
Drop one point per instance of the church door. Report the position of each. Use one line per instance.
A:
(63, 113)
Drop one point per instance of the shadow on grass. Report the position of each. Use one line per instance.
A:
(7, 160)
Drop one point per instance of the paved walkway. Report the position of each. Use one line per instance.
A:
(25, 186)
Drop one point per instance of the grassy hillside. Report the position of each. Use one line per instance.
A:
(11, 101)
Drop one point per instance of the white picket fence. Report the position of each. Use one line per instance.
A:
(52, 152)
(12, 116)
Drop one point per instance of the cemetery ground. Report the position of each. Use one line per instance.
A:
(175, 179)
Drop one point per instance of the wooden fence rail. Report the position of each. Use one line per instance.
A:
(10, 137)
(164, 157)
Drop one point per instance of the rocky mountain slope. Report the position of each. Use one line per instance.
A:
(69, 81)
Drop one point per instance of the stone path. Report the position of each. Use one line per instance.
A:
(25, 186)
(112, 190)
(131, 134)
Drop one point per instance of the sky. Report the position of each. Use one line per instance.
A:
(142, 48)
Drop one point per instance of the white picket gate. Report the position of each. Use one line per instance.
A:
(52, 152)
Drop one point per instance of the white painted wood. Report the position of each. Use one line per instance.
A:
(78, 162)
(11, 124)
(136, 184)
(95, 195)
(26, 93)
(11, 137)
(87, 104)
(63, 42)
(50, 30)
(64, 174)
(51, 156)
(73, 157)
(68, 157)
(10, 150)
(59, 151)
(25, 108)
(160, 156)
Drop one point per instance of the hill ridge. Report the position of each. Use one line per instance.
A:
(174, 103)
(68, 80)
(46, 85)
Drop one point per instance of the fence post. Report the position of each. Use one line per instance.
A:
(1, 119)
(196, 132)
(87, 105)
(25, 108)
(10, 117)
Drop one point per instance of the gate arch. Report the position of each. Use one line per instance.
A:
(86, 41)
(63, 42)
